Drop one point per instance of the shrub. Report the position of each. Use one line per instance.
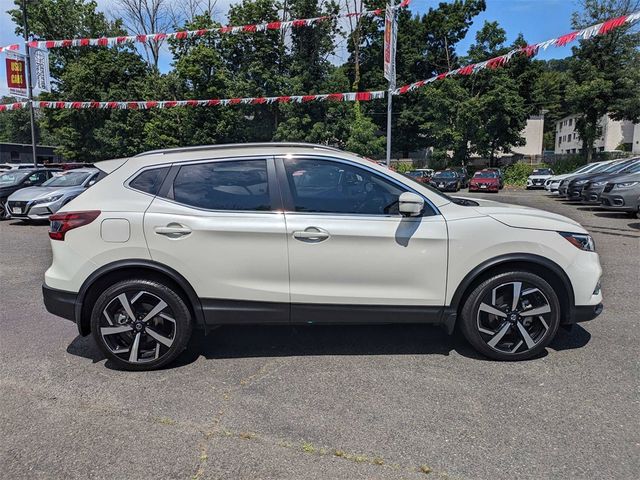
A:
(517, 173)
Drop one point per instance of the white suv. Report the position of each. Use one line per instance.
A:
(176, 240)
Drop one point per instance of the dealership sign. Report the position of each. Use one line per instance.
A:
(16, 67)
(390, 29)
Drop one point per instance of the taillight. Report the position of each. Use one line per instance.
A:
(61, 223)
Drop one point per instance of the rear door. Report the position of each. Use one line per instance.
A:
(349, 246)
(219, 224)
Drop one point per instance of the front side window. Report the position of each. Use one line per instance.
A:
(322, 186)
(71, 179)
(224, 185)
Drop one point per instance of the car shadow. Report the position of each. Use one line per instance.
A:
(607, 214)
(635, 225)
(228, 342)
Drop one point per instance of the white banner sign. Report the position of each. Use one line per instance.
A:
(40, 70)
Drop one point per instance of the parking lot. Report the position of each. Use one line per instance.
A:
(324, 402)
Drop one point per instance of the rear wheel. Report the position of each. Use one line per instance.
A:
(511, 316)
(141, 324)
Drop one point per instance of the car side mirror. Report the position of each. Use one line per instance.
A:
(92, 182)
(410, 204)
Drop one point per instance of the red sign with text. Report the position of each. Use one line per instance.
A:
(16, 73)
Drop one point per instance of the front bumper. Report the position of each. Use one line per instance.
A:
(592, 196)
(583, 313)
(574, 193)
(60, 302)
(31, 211)
(620, 202)
(483, 188)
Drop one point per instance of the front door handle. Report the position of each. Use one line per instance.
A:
(173, 230)
(311, 234)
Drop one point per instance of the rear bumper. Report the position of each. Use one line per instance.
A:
(60, 302)
(583, 313)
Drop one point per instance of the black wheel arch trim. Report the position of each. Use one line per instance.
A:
(511, 258)
(133, 263)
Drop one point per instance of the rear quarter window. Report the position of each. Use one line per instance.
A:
(150, 180)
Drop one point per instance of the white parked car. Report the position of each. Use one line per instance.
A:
(187, 239)
(553, 183)
(538, 178)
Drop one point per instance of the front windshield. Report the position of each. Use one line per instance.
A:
(12, 178)
(71, 179)
(542, 171)
(485, 175)
(445, 174)
(635, 168)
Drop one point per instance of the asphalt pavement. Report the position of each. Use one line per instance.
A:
(323, 402)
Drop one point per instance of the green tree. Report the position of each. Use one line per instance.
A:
(362, 135)
(604, 71)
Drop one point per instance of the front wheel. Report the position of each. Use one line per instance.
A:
(141, 324)
(511, 316)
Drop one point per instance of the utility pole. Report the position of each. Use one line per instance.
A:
(390, 35)
(25, 25)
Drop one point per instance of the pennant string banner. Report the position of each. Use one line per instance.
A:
(156, 37)
(13, 47)
(148, 104)
(529, 51)
(492, 63)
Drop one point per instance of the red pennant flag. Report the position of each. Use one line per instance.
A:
(612, 24)
(249, 28)
(235, 101)
(298, 23)
(274, 25)
(67, 43)
(151, 104)
(284, 99)
(121, 40)
(132, 105)
(84, 42)
(192, 103)
(141, 38)
(112, 105)
(170, 104)
(49, 43)
(213, 103)
(95, 104)
(59, 104)
(336, 97)
(103, 42)
(259, 100)
(363, 96)
(308, 98)
(568, 38)
(181, 35)
(202, 31)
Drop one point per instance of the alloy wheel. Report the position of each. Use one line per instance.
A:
(513, 317)
(138, 326)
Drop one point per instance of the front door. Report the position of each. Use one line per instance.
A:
(349, 246)
(218, 226)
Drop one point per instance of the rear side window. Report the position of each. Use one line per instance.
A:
(149, 181)
(224, 185)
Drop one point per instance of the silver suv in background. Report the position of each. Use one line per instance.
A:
(622, 194)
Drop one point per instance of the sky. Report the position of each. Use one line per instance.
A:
(537, 20)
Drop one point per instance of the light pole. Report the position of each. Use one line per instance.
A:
(390, 63)
(25, 24)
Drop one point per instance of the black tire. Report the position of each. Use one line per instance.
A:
(481, 328)
(172, 324)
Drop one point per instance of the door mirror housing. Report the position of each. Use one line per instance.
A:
(410, 204)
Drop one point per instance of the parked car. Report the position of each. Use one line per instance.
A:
(39, 202)
(552, 184)
(192, 238)
(538, 177)
(564, 184)
(422, 175)
(485, 180)
(463, 174)
(591, 191)
(70, 165)
(500, 175)
(622, 194)
(16, 179)
(5, 167)
(446, 181)
(575, 185)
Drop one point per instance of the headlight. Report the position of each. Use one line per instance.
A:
(599, 184)
(49, 199)
(580, 182)
(620, 186)
(580, 240)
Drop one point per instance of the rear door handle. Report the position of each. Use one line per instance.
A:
(311, 234)
(173, 230)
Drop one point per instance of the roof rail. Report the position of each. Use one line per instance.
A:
(198, 148)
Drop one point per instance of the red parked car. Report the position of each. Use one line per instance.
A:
(485, 180)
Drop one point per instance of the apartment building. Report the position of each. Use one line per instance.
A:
(616, 134)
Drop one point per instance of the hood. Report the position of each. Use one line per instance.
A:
(35, 193)
(624, 178)
(557, 178)
(524, 217)
(484, 180)
(539, 177)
